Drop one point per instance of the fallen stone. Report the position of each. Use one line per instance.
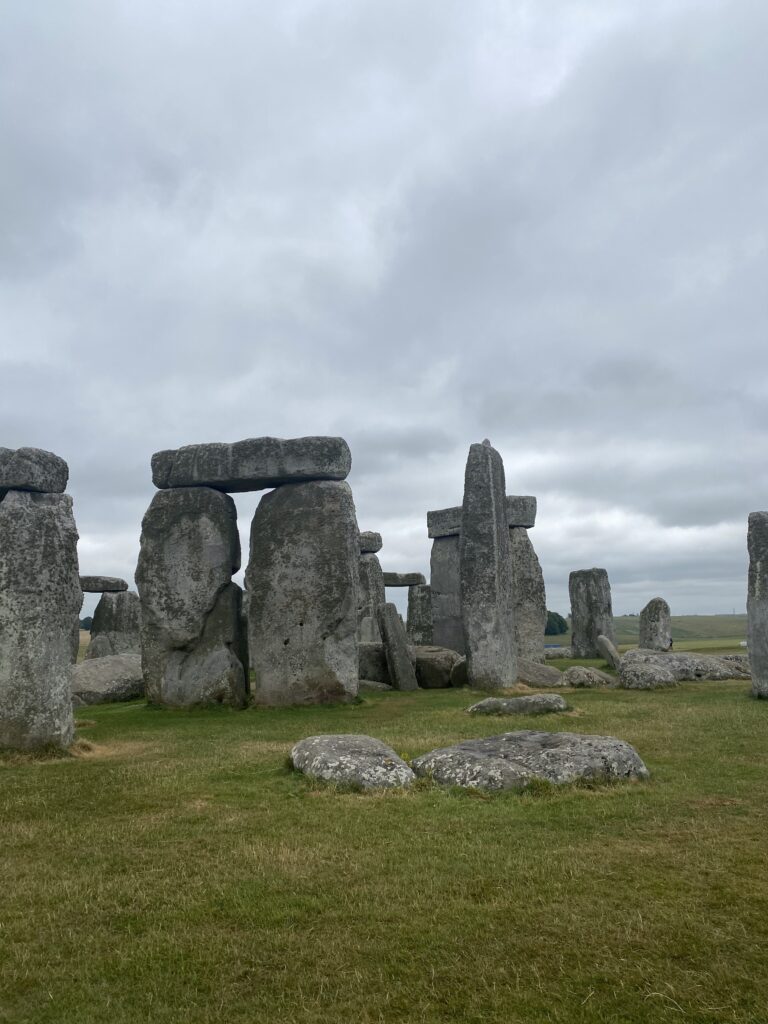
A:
(351, 760)
(115, 677)
(656, 626)
(401, 671)
(372, 662)
(116, 627)
(40, 598)
(757, 602)
(445, 593)
(650, 670)
(591, 611)
(433, 666)
(192, 646)
(404, 579)
(370, 595)
(102, 584)
(370, 543)
(419, 621)
(529, 596)
(551, 653)
(588, 678)
(607, 649)
(485, 573)
(535, 704)
(302, 581)
(32, 469)
(446, 522)
(514, 759)
(535, 674)
(254, 464)
(373, 686)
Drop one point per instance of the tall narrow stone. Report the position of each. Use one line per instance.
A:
(529, 596)
(370, 596)
(40, 597)
(757, 602)
(445, 593)
(401, 671)
(116, 627)
(302, 581)
(485, 568)
(192, 647)
(419, 622)
(591, 611)
(656, 626)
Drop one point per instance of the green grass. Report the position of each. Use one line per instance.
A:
(179, 872)
(706, 633)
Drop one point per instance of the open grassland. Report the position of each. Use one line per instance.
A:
(177, 871)
(705, 633)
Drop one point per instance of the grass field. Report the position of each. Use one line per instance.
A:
(177, 871)
(689, 632)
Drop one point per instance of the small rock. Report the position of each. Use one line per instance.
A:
(351, 759)
(535, 704)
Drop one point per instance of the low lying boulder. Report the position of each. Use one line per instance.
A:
(115, 677)
(580, 676)
(372, 686)
(352, 760)
(550, 653)
(433, 666)
(642, 669)
(535, 674)
(514, 759)
(607, 649)
(533, 704)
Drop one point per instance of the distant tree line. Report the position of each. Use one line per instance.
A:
(86, 623)
(556, 625)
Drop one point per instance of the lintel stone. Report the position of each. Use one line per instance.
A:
(446, 522)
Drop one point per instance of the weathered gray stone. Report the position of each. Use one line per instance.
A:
(373, 686)
(650, 670)
(401, 671)
(591, 611)
(514, 759)
(351, 759)
(459, 673)
(40, 598)
(433, 666)
(447, 627)
(419, 623)
(32, 469)
(588, 678)
(553, 653)
(370, 595)
(302, 581)
(370, 543)
(535, 674)
(757, 602)
(446, 522)
(533, 704)
(116, 626)
(192, 646)
(253, 464)
(607, 649)
(102, 584)
(115, 677)
(404, 579)
(656, 626)
(485, 572)
(529, 596)
(373, 662)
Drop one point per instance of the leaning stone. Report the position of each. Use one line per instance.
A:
(591, 611)
(115, 677)
(535, 704)
(757, 602)
(102, 584)
(607, 649)
(373, 686)
(404, 579)
(446, 522)
(529, 596)
(32, 469)
(40, 599)
(302, 581)
(192, 645)
(370, 543)
(351, 760)
(588, 678)
(373, 662)
(552, 653)
(485, 568)
(370, 595)
(656, 626)
(433, 666)
(445, 592)
(535, 674)
(116, 626)
(401, 672)
(254, 464)
(419, 622)
(514, 759)
(650, 670)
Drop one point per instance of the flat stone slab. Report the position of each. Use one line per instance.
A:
(641, 669)
(551, 653)
(115, 677)
(446, 522)
(404, 579)
(535, 704)
(102, 584)
(254, 464)
(514, 759)
(351, 759)
(370, 542)
(534, 673)
(588, 678)
(32, 469)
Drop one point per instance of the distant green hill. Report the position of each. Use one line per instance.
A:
(686, 629)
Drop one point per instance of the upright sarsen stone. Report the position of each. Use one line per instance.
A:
(656, 626)
(40, 598)
(530, 598)
(302, 580)
(757, 602)
(116, 627)
(192, 647)
(402, 674)
(485, 569)
(445, 593)
(370, 596)
(419, 622)
(591, 611)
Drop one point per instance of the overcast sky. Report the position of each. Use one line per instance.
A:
(415, 225)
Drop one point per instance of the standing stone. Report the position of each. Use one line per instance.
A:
(402, 674)
(656, 626)
(419, 621)
(40, 597)
(591, 611)
(485, 567)
(757, 602)
(608, 650)
(192, 648)
(529, 596)
(302, 581)
(116, 625)
(445, 592)
(370, 596)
